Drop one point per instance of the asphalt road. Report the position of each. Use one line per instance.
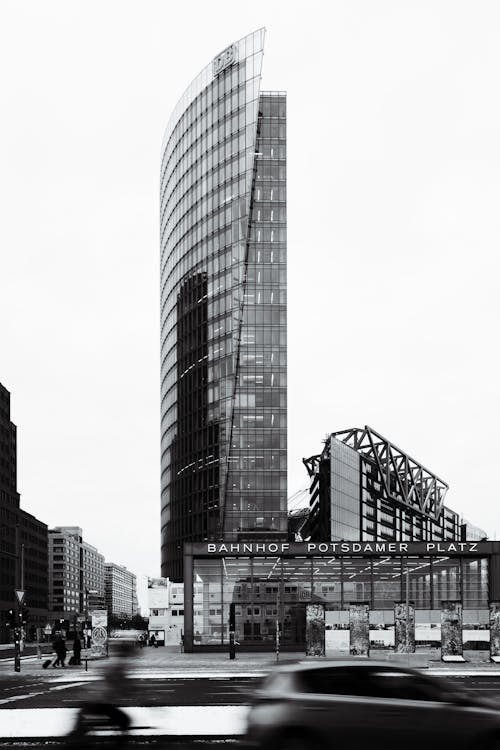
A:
(47, 691)
(43, 691)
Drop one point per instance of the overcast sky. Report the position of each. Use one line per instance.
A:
(393, 237)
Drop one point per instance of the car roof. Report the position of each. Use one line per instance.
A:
(303, 666)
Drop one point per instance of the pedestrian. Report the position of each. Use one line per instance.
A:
(77, 649)
(152, 640)
(61, 651)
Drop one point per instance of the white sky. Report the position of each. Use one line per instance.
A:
(394, 189)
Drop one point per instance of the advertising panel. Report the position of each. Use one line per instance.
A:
(451, 629)
(359, 629)
(404, 628)
(495, 631)
(315, 629)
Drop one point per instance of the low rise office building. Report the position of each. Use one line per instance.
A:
(76, 576)
(120, 591)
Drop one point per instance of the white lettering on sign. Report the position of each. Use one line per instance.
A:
(451, 547)
(224, 60)
(336, 548)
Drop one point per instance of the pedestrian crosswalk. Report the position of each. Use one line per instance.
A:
(192, 721)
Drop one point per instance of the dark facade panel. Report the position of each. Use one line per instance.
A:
(23, 549)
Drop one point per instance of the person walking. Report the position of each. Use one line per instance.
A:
(61, 651)
(77, 649)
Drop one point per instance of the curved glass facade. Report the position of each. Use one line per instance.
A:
(223, 308)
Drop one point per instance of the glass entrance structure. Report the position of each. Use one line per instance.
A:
(223, 308)
(271, 584)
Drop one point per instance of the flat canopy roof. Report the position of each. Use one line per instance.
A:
(314, 549)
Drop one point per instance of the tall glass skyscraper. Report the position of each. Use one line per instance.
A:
(223, 308)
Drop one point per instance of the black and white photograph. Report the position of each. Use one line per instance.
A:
(249, 374)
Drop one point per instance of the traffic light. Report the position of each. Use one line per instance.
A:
(11, 618)
(24, 615)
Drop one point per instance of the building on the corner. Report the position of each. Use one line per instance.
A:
(23, 537)
(166, 611)
(33, 543)
(159, 618)
(120, 587)
(223, 308)
(364, 488)
(76, 576)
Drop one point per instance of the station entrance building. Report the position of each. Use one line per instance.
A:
(271, 585)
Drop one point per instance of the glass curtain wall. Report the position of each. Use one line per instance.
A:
(255, 490)
(223, 307)
(274, 590)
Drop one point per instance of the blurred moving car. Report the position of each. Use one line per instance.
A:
(353, 704)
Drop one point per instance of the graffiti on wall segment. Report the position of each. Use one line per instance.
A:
(359, 630)
(99, 637)
(404, 638)
(451, 629)
(494, 629)
(315, 629)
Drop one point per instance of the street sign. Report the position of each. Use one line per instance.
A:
(47, 629)
(20, 595)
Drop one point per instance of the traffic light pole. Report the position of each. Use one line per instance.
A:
(232, 629)
(15, 616)
(17, 652)
(17, 628)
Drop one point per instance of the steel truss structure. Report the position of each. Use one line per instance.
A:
(405, 480)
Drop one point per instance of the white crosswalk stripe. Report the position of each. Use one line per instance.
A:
(184, 721)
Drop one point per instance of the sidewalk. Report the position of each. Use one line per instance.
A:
(168, 661)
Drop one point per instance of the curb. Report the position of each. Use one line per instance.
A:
(172, 740)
